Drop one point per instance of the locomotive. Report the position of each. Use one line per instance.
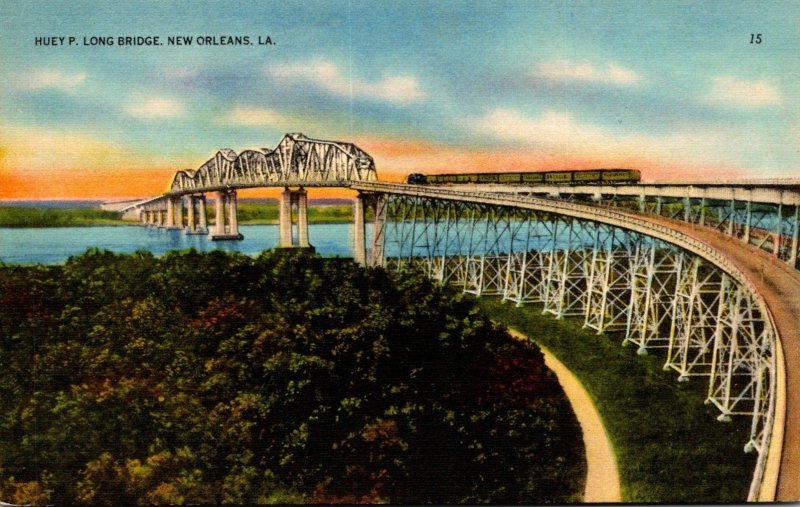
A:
(590, 177)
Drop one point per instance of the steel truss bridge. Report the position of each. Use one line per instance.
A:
(705, 276)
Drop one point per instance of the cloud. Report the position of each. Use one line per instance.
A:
(327, 76)
(561, 131)
(559, 134)
(52, 79)
(142, 106)
(732, 91)
(255, 117)
(396, 158)
(551, 129)
(564, 71)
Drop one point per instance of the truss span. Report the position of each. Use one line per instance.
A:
(297, 159)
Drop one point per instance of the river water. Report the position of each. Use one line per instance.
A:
(54, 245)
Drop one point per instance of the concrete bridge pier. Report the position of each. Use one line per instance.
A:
(288, 201)
(174, 213)
(219, 215)
(361, 254)
(233, 221)
(302, 218)
(169, 223)
(191, 227)
(226, 225)
(201, 200)
(285, 219)
(178, 214)
(359, 233)
(196, 213)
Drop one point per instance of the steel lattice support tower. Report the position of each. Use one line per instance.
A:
(527, 267)
(609, 280)
(695, 317)
(654, 270)
(567, 280)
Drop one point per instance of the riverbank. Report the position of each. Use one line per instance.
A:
(18, 217)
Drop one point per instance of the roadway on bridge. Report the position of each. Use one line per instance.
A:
(779, 285)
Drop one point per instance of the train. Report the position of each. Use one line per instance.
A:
(585, 177)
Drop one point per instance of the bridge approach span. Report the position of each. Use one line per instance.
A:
(614, 284)
(773, 436)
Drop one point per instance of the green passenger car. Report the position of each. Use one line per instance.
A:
(509, 177)
(586, 176)
(558, 177)
(532, 177)
(617, 175)
(589, 177)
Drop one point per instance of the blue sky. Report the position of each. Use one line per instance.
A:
(674, 88)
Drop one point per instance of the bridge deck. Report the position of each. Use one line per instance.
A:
(779, 285)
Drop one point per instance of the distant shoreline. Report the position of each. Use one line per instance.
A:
(250, 213)
(128, 223)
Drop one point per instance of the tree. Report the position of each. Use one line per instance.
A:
(207, 378)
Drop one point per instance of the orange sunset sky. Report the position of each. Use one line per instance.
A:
(114, 176)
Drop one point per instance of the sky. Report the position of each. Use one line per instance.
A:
(675, 89)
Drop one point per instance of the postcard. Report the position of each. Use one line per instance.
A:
(325, 252)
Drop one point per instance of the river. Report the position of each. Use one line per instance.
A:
(54, 245)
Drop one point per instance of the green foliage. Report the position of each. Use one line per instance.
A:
(55, 217)
(288, 378)
(247, 213)
(669, 446)
(267, 213)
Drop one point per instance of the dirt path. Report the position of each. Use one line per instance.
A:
(602, 476)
